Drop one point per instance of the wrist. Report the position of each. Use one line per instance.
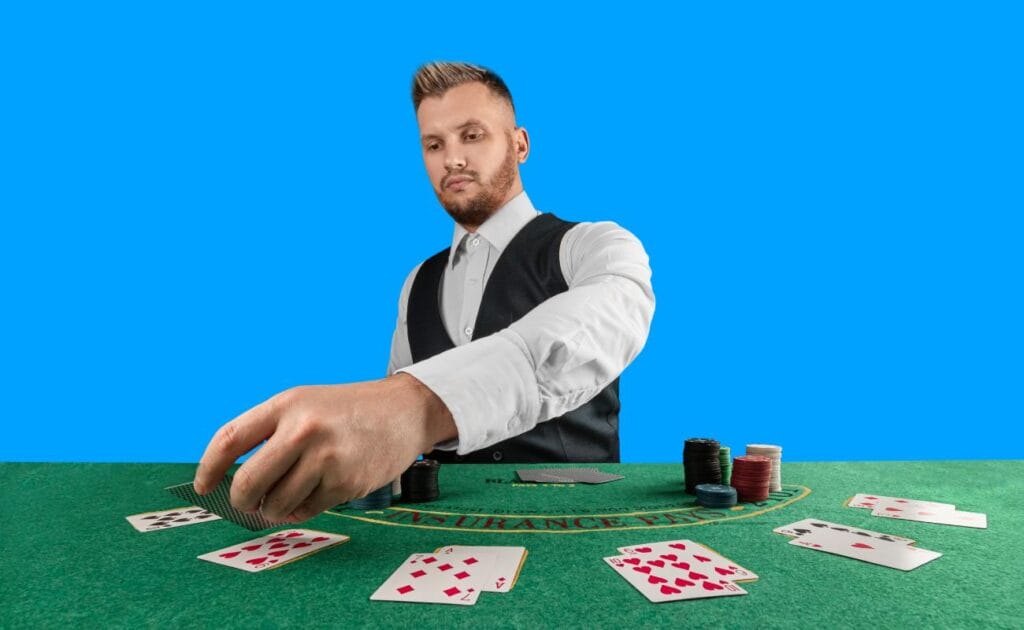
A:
(435, 418)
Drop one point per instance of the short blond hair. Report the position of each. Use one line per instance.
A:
(437, 77)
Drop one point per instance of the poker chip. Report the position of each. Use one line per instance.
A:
(725, 463)
(700, 463)
(751, 476)
(376, 500)
(713, 495)
(774, 453)
(419, 482)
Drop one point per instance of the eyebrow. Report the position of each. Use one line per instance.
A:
(472, 122)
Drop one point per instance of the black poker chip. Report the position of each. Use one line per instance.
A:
(376, 500)
(701, 464)
(419, 482)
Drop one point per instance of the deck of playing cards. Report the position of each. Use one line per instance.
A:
(566, 475)
(218, 501)
(886, 550)
(453, 575)
(679, 569)
(920, 511)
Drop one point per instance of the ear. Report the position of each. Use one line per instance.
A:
(522, 143)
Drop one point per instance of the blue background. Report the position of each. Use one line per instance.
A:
(202, 206)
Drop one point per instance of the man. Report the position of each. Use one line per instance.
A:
(508, 346)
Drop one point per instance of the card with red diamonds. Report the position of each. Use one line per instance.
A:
(274, 550)
(432, 578)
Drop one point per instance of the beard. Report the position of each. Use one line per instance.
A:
(472, 212)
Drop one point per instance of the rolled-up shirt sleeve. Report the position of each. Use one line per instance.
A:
(556, 357)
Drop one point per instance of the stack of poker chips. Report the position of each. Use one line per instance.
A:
(751, 475)
(725, 463)
(376, 500)
(419, 482)
(700, 463)
(773, 453)
(715, 495)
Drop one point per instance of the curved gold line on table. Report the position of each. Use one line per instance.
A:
(805, 491)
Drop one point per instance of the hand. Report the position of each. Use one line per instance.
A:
(324, 445)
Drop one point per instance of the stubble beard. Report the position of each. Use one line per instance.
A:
(472, 212)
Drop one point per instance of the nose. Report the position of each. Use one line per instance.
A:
(454, 160)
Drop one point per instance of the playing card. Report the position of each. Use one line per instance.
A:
(810, 525)
(869, 501)
(542, 476)
(667, 584)
(566, 475)
(886, 554)
(219, 502)
(686, 555)
(273, 550)
(502, 564)
(166, 519)
(590, 475)
(430, 578)
(887, 509)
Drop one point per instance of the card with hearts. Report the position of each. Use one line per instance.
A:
(811, 525)
(274, 550)
(886, 554)
(668, 584)
(687, 555)
(889, 509)
(869, 501)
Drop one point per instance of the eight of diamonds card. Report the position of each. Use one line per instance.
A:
(887, 554)
(273, 550)
(166, 519)
(668, 584)
(686, 555)
(429, 578)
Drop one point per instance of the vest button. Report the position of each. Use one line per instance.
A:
(497, 456)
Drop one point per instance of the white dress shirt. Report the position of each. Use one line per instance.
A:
(552, 360)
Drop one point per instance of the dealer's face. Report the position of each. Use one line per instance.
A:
(472, 151)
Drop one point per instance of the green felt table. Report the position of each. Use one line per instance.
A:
(71, 558)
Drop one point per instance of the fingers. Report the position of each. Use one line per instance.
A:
(263, 471)
(233, 440)
(296, 485)
(321, 499)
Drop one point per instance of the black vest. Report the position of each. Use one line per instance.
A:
(527, 273)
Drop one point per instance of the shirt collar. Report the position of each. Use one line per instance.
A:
(500, 227)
